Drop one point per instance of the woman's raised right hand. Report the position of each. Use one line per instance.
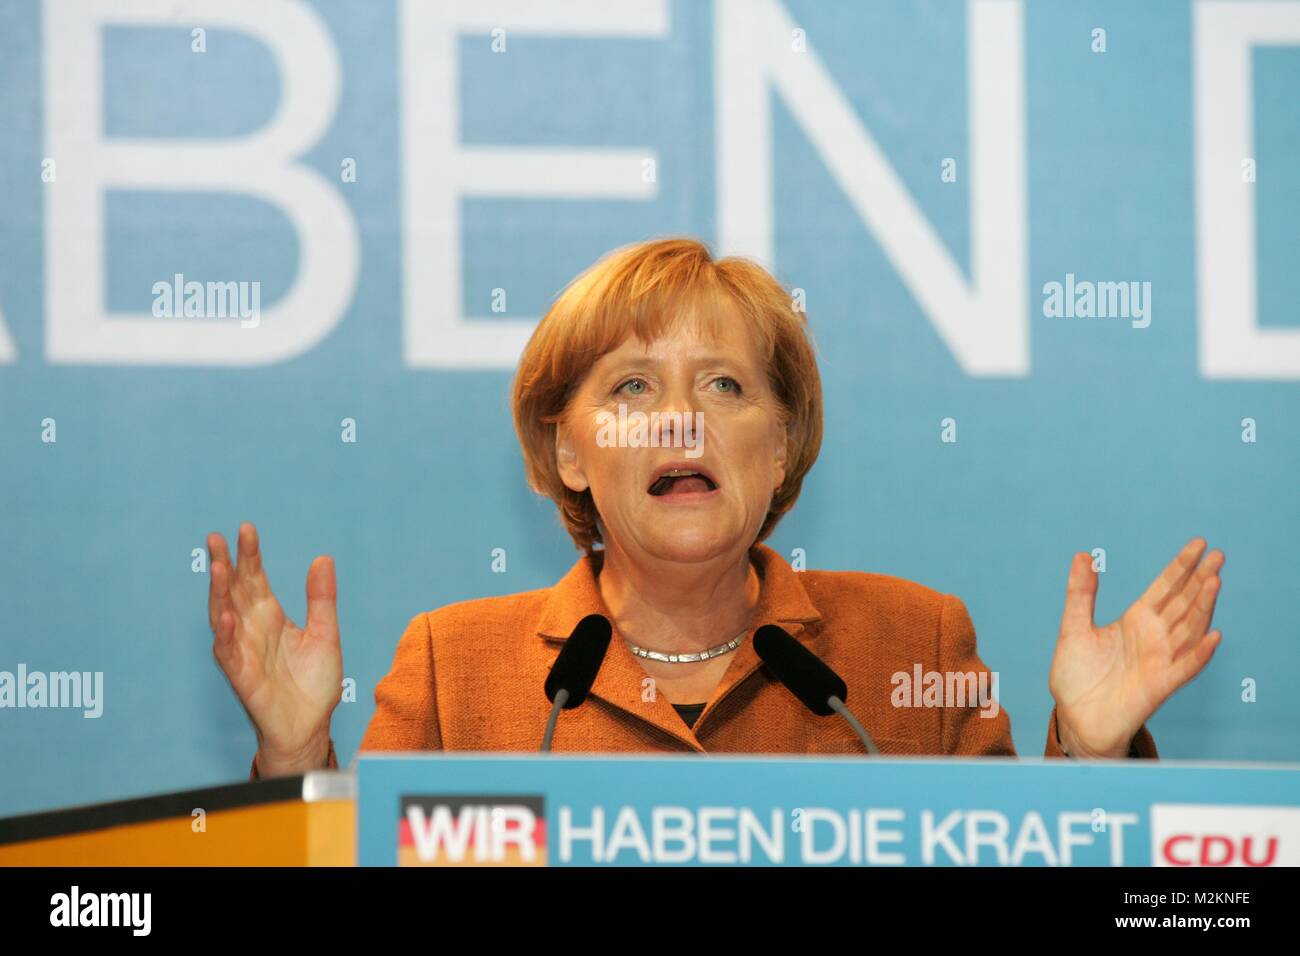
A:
(288, 678)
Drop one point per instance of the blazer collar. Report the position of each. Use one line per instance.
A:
(782, 600)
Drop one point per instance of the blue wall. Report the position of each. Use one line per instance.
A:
(1109, 436)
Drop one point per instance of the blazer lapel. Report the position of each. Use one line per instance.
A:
(621, 681)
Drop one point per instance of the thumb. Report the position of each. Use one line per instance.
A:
(322, 594)
(1080, 594)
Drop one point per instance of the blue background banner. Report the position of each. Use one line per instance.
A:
(409, 184)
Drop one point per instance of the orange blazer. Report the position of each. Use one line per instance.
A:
(469, 676)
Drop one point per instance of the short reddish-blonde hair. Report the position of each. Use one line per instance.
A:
(644, 290)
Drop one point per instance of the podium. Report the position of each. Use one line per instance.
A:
(290, 821)
(562, 810)
(498, 809)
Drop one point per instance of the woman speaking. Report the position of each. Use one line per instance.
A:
(670, 405)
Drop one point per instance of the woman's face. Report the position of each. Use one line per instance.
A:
(721, 385)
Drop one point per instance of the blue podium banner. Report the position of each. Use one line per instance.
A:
(540, 810)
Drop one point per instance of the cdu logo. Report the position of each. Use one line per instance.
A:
(502, 830)
(1210, 835)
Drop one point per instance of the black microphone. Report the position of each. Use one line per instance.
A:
(807, 677)
(574, 671)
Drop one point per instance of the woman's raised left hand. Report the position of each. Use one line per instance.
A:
(1108, 680)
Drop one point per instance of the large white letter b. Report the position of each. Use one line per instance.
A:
(79, 327)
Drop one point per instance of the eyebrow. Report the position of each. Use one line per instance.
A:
(658, 363)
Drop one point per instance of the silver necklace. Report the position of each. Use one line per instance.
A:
(705, 655)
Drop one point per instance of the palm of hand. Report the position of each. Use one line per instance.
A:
(1108, 680)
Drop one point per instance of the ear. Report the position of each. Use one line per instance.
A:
(566, 460)
(782, 453)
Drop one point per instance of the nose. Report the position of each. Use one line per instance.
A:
(676, 418)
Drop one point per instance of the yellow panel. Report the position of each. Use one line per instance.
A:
(332, 833)
(291, 833)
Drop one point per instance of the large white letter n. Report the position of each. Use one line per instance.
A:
(79, 327)
(985, 323)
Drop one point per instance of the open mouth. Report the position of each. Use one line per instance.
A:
(682, 482)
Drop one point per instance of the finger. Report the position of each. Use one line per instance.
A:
(322, 599)
(1191, 628)
(217, 550)
(249, 573)
(1186, 582)
(218, 592)
(1177, 607)
(224, 646)
(1080, 593)
(1175, 574)
(1190, 664)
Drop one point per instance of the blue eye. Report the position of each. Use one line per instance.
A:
(735, 385)
(629, 382)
